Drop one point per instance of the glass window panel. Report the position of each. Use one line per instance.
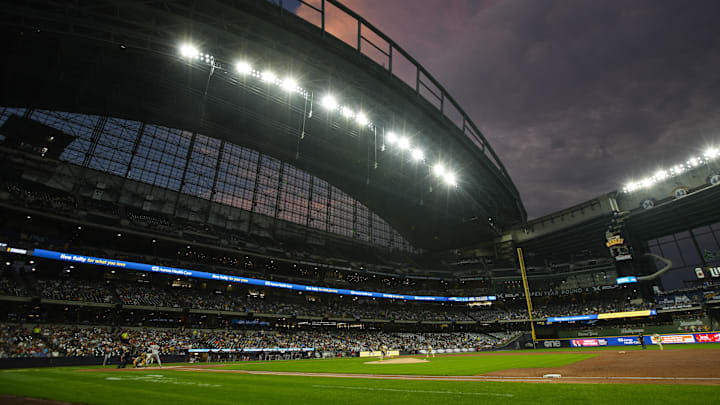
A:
(688, 252)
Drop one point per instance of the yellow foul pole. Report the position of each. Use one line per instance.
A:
(521, 260)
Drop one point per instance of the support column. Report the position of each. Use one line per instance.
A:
(213, 190)
(255, 189)
(278, 194)
(182, 180)
(308, 216)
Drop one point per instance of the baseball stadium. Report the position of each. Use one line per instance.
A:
(230, 201)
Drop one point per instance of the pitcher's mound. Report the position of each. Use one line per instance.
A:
(402, 360)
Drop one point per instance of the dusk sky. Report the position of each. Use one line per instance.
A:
(576, 97)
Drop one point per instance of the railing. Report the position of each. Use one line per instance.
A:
(388, 55)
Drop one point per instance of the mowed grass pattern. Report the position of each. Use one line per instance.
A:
(442, 365)
(157, 387)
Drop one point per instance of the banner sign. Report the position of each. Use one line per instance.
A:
(626, 280)
(389, 353)
(592, 317)
(49, 254)
(571, 318)
(254, 350)
(712, 337)
(707, 337)
(627, 314)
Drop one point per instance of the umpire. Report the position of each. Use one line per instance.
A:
(641, 339)
(124, 356)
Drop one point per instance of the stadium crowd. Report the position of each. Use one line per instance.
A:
(69, 341)
(282, 303)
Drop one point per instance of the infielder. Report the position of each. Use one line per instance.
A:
(658, 340)
(429, 351)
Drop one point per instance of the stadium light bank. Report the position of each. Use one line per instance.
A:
(662, 174)
(329, 102)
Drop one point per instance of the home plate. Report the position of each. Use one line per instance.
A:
(552, 376)
(404, 360)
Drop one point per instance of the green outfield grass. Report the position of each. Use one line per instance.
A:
(156, 387)
(442, 365)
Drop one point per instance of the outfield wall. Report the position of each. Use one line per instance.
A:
(30, 362)
(675, 338)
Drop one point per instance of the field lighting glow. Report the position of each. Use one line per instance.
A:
(347, 112)
(439, 169)
(417, 154)
(329, 102)
(289, 84)
(450, 179)
(268, 77)
(391, 137)
(243, 67)
(189, 51)
(709, 155)
(362, 119)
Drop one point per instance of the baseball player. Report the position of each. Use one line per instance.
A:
(107, 352)
(139, 361)
(383, 352)
(658, 340)
(429, 351)
(155, 354)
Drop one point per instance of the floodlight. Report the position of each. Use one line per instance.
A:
(711, 153)
(439, 169)
(329, 102)
(417, 154)
(362, 119)
(189, 51)
(289, 84)
(404, 143)
(268, 76)
(348, 113)
(450, 179)
(243, 67)
(391, 137)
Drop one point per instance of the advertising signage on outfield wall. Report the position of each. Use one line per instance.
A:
(649, 340)
(98, 261)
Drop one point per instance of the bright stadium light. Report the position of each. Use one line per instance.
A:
(391, 137)
(362, 119)
(348, 113)
(189, 51)
(450, 179)
(329, 102)
(403, 143)
(711, 153)
(268, 77)
(439, 169)
(289, 84)
(243, 67)
(417, 154)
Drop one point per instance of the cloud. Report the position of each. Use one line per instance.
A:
(575, 97)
